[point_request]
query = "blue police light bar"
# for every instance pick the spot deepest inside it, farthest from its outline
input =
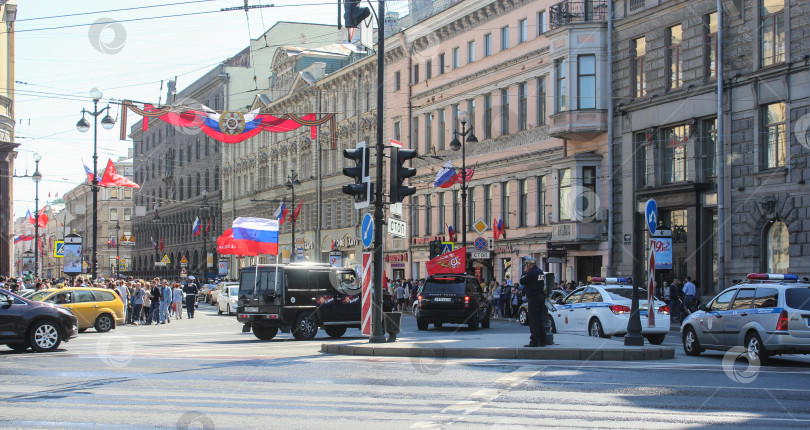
(772, 277)
(620, 281)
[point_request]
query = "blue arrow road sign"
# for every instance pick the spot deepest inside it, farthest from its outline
(652, 215)
(367, 230)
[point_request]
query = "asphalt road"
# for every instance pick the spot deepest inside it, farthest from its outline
(205, 373)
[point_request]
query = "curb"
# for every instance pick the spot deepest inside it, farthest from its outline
(638, 353)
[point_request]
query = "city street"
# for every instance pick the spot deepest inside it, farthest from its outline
(205, 373)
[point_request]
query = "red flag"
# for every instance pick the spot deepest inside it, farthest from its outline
(496, 232)
(112, 178)
(451, 262)
(297, 210)
(40, 219)
(49, 195)
(208, 226)
(161, 244)
(226, 245)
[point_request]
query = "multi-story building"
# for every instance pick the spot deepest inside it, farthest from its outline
(666, 141)
(23, 251)
(8, 16)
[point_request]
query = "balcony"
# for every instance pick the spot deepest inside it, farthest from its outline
(575, 232)
(568, 12)
(580, 125)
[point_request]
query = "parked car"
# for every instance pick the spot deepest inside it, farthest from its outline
(94, 307)
(30, 324)
(767, 315)
(204, 294)
(602, 309)
(218, 290)
(452, 299)
(227, 299)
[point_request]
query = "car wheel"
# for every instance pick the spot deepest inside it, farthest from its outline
(44, 336)
(473, 323)
(335, 331)
(104, 323)
(485, 321)
(305, 327)
(264, 333)
(523, 316)
(595, 328)
(691, 344)
(219, 310)
(421, 324)
(656, 339)
(756, 350)
(438, 325)
(553, 324)
(18, 346)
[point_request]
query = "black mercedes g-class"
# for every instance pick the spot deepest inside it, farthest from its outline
(298, 297)
(453, 299)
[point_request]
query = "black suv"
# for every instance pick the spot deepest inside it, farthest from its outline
(453, 299)
(40, 326)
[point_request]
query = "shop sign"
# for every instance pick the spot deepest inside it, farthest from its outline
(301, 243)
(345, 242)
(425, 240)
(390, 258)
(397, 265)
(506, 249)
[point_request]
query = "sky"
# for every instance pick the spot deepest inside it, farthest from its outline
(60, 58)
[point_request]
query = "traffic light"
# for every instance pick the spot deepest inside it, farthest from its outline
(353, 14)
(361, 188)
(399, 173)
(435, 249)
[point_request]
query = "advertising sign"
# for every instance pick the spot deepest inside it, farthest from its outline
(223, 267)
(73, 258)
(336, 259)
(662, 248)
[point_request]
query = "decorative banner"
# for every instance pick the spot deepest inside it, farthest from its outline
(452, 262)
(229, 126)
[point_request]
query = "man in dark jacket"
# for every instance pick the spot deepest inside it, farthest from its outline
(191, 291)
(534, 289)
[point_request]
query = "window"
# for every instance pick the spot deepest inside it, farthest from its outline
(504, 38)
(113, 193)
(456, 225)
(641, 143)
(487, 44)
(428, 69)
(523, 30)
(442, 129)
(523, 107)
(565, 200)
(766, 298)
(541, 200)
(722, 301)
(470, 51)
(396, 80)
(772, 31)
(541, 22)
(586, 71)
(774, 150)
(487, 116)
(674, 56)
(504, 111)
(559, 69)
(440, 204)
(709, 147)
(428, 132)
(127, 214)
(114, 214)
(743, 300)
(487, 202)
(506, 192)
(675, 141)
(523, 202)
(398, 131)
(415, 132)
(441, 64)
(471, 209)
(415, 74)
(638, 50)
(456, 58)
(415, 215)
(710, 52)
(471, 113)
(428, 216)
(586, 205)
(128, 193)
(541, 100)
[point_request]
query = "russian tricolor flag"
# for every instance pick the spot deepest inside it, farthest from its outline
(444, 178)
(195, 228)
(258, 235)
(281, 213)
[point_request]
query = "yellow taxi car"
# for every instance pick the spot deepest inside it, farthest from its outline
(94, 307)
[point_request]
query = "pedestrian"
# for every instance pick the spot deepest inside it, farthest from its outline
(515, 302)
(137, 304)
(689, 292)
(166, 298)
(402, 298)
(675, 300)
(191, 291)
(155, 309)
(533, 285)
(124, 293)
(506, 300)
(496, 299)
(177, 302)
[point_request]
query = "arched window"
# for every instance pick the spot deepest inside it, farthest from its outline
(198, 184)
(207, 179)
(778, 245)
(180, 194)
(216, 178)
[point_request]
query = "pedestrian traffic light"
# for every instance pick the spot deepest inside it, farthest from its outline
(399, 173)
(360, 190)
(353, 14)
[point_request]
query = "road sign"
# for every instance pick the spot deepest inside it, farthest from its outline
(480, 225)
(396, 209)
(651, 215)
(59, 249)
(184, 261)
(300, 253)
(396, 227)
(165, 259)
(183, 273)
(491, 244)
(480, 244)
(447, 247)
(483, 255)
(367, 230)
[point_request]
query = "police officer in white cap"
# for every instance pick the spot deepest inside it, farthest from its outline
(534, 288)
(191, 291)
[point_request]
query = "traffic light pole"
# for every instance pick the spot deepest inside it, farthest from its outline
(377, 333)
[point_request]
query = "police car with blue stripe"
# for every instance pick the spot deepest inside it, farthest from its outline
(603, 309)
(768, 314)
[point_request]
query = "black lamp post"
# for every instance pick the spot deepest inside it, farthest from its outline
(292, 182)
(36, 177)
(117, 251)
(204, 256)
(107, 122)
(466, 136)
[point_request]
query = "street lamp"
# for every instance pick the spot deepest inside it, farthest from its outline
(117, 251)
(292, 182)
(36, 177)
(204, 256)
(466, 136)
(83, 126)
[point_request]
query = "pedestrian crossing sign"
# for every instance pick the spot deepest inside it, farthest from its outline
(59, 249)
(447, 247)
(165, 259)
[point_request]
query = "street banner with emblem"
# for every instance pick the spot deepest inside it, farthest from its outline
(452, 262)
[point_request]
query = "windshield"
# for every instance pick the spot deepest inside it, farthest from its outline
(266, 284)
(232, 291)
(798, 298)
(444, 285)
(627, 293)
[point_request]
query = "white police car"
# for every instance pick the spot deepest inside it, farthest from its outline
(603, 309)
(768, 314)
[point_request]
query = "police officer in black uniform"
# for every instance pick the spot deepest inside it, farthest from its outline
(191, 291)
(534, 288)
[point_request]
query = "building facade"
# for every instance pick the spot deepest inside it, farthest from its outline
(8, 16)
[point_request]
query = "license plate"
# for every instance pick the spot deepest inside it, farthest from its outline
(642, 313)
(252, 309)
(442, 299)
